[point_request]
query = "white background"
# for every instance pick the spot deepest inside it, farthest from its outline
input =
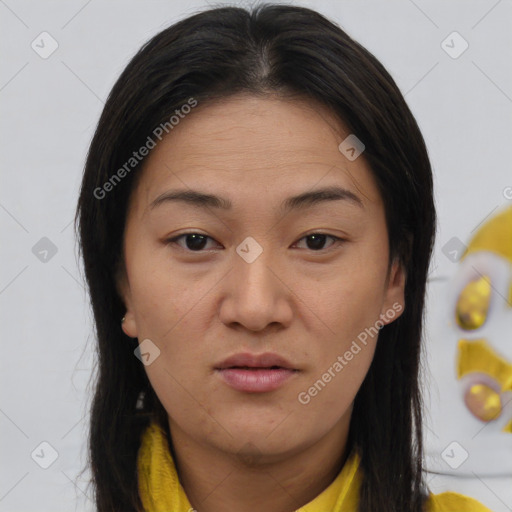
(49, 111)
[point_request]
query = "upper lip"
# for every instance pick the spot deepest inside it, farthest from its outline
(266, 360)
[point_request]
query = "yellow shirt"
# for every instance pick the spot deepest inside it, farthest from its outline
(161, 491)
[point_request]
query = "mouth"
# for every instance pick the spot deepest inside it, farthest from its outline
(249, 361)
(255, 373)
(254, 368)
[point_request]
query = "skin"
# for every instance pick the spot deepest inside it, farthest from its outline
(270, 452)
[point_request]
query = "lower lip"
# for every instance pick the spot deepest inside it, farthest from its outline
(255, 381)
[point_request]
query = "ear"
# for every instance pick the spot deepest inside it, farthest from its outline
(129, 326)
(394, 294)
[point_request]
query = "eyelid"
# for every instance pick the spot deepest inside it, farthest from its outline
(337, 241)
(181, 235)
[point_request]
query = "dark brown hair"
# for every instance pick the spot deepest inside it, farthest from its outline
(289, 51)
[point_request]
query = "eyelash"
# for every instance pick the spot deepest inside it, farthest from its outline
(337, 241)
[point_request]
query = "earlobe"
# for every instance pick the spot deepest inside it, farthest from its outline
(128, 324)
(394, 301)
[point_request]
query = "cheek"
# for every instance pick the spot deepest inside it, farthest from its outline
(163, 298)
(330, 393)
(180, 396)
(344, 335)
(343, 305)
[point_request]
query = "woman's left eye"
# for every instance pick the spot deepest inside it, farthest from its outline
(316, 241)
(196, 242)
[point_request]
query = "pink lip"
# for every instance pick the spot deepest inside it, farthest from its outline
(255, 373)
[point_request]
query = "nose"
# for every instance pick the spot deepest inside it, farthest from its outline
(256, 296)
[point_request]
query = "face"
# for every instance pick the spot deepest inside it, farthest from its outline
(264, 308)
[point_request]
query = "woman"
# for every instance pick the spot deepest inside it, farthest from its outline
(256, 220)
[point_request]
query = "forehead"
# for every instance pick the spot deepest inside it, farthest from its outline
(264, 146)
(265, 130)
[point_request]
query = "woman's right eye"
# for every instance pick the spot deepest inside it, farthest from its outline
(193, 242)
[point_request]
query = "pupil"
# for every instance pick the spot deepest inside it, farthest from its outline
(318, 241)
(195, 242)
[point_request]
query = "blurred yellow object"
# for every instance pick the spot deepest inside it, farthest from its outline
(473, 304)
(494, 236)
(483, 402)
(477, 356)
(471, 312)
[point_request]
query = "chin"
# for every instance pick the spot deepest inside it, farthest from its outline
(259, 450)
(254, 435)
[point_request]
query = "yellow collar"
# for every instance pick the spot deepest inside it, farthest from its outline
(160, 489)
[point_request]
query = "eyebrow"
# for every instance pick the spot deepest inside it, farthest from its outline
(304, 200)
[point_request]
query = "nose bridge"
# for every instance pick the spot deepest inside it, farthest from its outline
(255, 297)
(254, 279)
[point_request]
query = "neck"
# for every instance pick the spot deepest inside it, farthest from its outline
(219, 480)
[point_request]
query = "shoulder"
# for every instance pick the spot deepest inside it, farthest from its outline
(454, 502)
